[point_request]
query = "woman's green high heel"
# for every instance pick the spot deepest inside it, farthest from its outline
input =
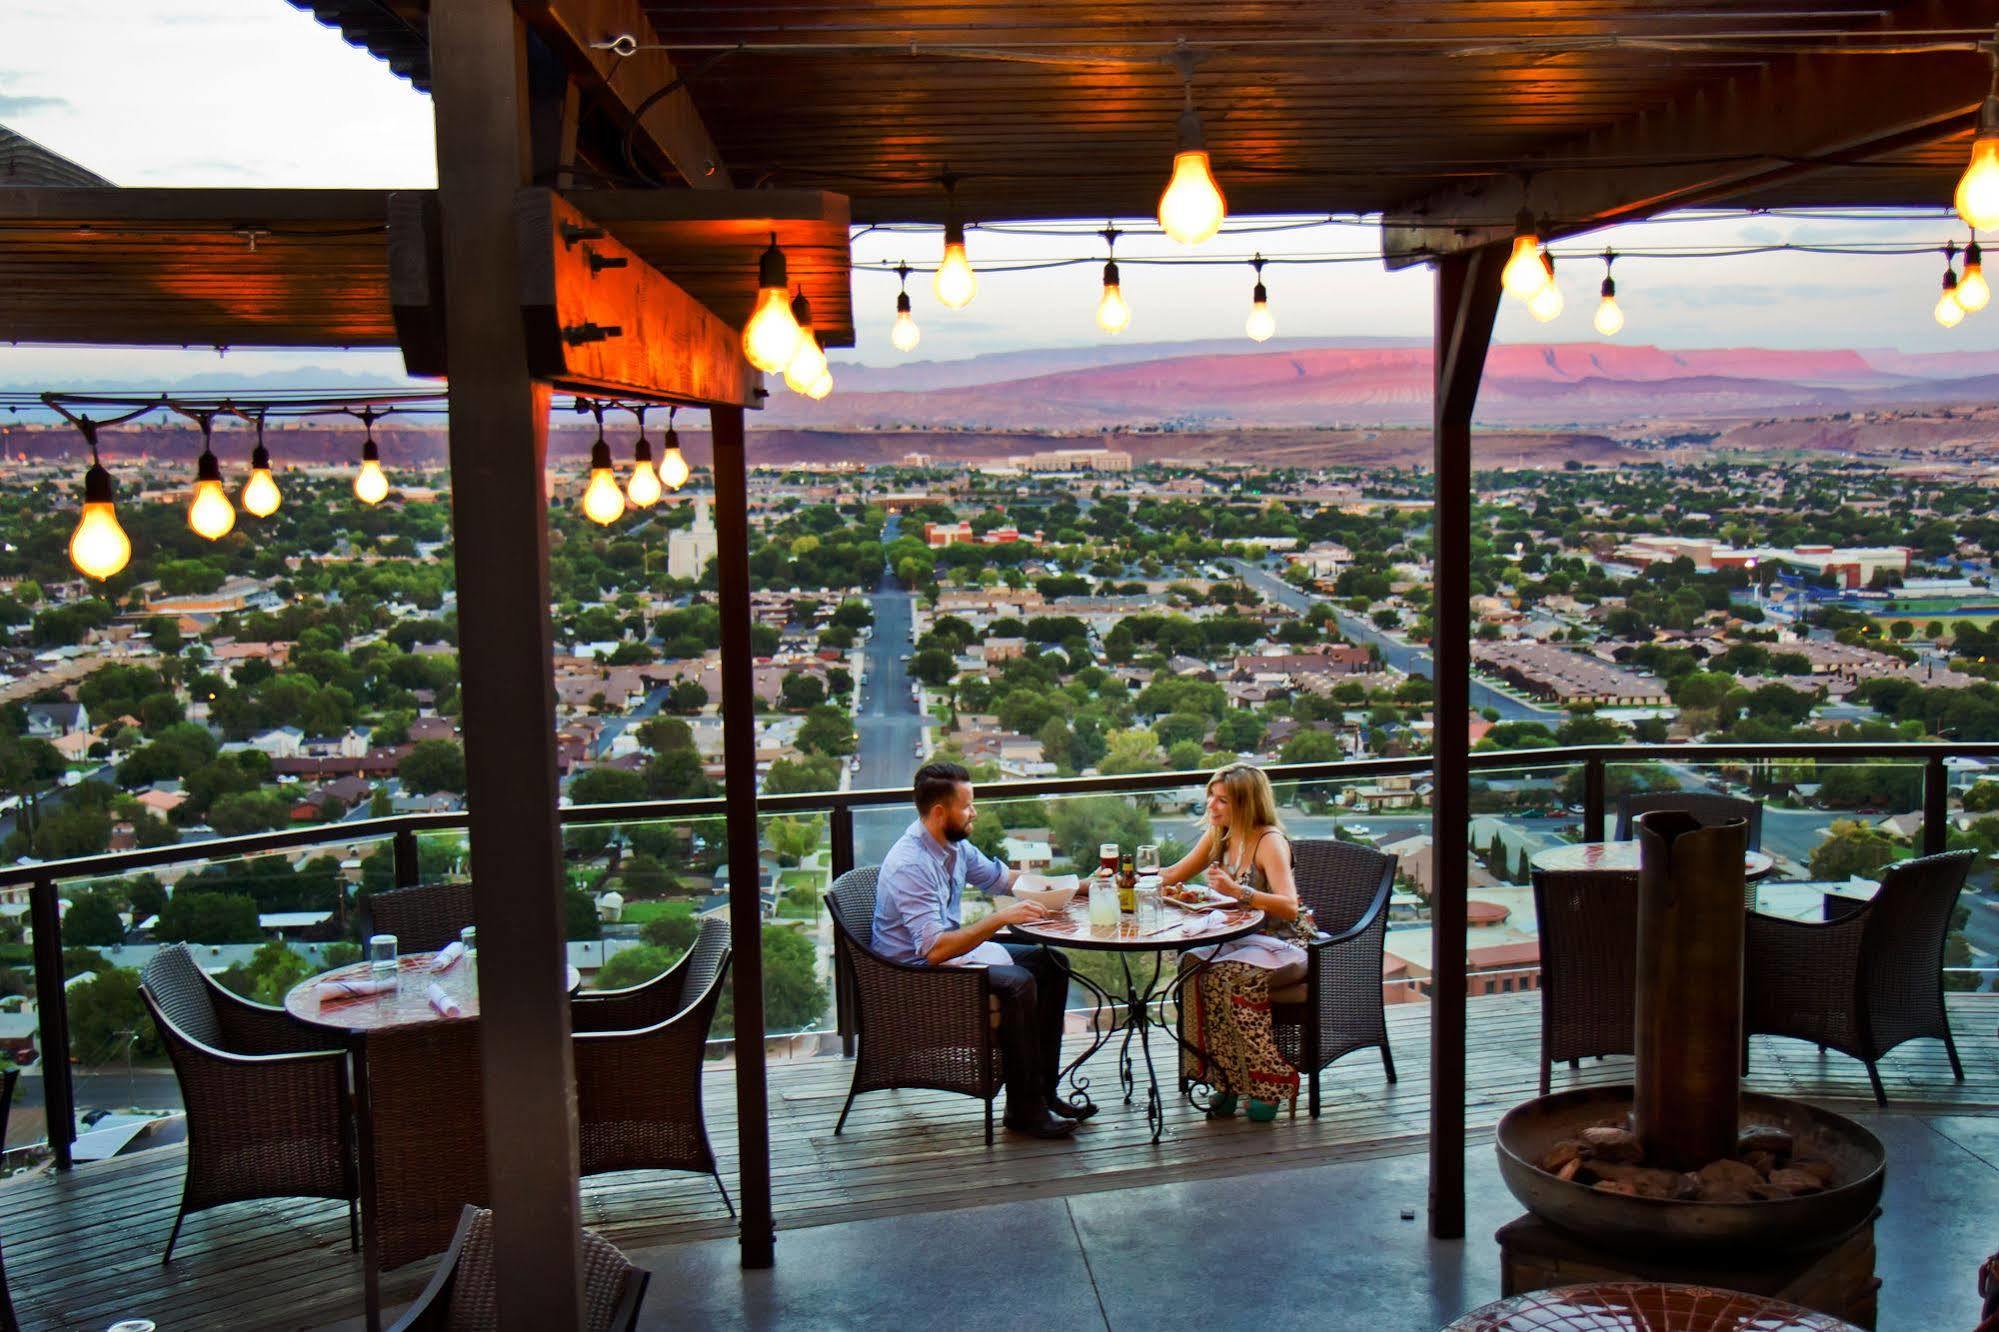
(1223, 1106)
(1261, 1112)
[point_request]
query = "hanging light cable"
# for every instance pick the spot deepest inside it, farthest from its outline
(954, 283)
(1191, 207)
(809, 361)
(371, 484)
(98, 547)
(770, 337)
(1546, 304)
(1609, 318)
(673, 469)
(603, 502)
(209, 513)
(1113, 313)
(1977, 196)
(1974, 293)
(1261, 323)
(1947, 310)
(905, 334)
(260, 493)
(643, 487)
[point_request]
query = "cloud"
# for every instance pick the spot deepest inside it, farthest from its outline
(15, 106)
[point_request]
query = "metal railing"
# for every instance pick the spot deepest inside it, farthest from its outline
(402, 831)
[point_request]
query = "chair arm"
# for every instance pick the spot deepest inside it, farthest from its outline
(260, 1029)
(1322, 940)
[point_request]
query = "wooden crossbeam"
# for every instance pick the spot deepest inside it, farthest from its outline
(1797, 116)
(579, 31)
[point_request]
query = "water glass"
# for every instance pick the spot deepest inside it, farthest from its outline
(1150, 908)
(469, 936)
(381, 955)
(1104, 911)
(1146, 861)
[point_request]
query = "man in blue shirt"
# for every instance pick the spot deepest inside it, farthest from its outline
(919, 920)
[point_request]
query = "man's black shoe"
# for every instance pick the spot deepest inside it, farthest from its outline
(1041, 1125)
(1076, 1110)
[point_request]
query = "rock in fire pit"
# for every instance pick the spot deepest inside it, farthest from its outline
(1768, 1163)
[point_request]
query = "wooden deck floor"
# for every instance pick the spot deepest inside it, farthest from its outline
(83, 1249)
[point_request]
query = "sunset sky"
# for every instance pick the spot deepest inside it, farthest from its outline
(257, 93)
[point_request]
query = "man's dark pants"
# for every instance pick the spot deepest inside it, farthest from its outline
(1032, 995)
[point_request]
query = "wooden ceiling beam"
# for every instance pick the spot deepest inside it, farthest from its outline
(672, 128)
(1802, 116)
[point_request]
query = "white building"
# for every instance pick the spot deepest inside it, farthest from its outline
(688, 550)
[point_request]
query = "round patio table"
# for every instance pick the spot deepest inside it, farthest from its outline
(1132, 1012)
(418, 1106)
(1642, 1307)
(1622, 858)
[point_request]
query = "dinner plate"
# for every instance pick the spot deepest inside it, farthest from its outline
(1207, 903)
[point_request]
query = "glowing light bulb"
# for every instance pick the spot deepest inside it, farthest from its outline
(1261, 323)
(98, 547)
(210, 513)
(603, 502)
(1113, 312)
(1609, 318)
(1546, 303)
(770, 338)
(1524, 274)
(905, 334)
(1192, 209)
(1973, 292)
(954, 282)
(260, 493)
(1948, 312)
(820, 387)
(673, 469)
(371, 484)
(806, 366)
(1978, 187)
(643, 488)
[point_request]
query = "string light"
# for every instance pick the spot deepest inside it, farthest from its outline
(209, 513)
(770, 338)
(1973, 292)
(954, 283)
(673, 468)
(260, 493)
(905, 334)
(371, 484)
(1261, 323)
(821, 386)
(603, 501)
(98, 547)
(1977, 196)
(1947, 311)
(1546, 304)
(1609, 318)
(1524, 274)
(809, 361)
(1113, 313)
(1191, 207)
(643, 488)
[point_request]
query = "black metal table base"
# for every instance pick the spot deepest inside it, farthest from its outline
(1132, 1017)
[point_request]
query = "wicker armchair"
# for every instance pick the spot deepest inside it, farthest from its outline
(927, 1027)
(461, 1294)
(8, 1323)
(267, 1103)
(424, 918)
(638, 1087)
(1589, 964)
(1868, 981)
(1709, 809)
(1338, 1008)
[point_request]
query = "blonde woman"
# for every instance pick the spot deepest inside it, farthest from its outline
(1245, 856)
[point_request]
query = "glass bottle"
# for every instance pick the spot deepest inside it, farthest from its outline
(1127, 885)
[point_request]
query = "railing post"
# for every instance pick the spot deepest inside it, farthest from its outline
(842, 820)
(408, 866)
(52, 1010)
(1936, 806)
(1593, 798)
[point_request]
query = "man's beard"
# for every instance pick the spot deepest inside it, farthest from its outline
(957, 832)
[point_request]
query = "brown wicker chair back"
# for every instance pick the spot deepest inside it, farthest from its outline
(1589, 964)
(463, 1294)
(651, 1002)
(1343, 883)
(1902, 944)
(424, 918)
(178, 987)
(1710, 809)
(852, 903)
(707, 958)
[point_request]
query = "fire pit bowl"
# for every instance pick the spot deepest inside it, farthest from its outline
(1642, 1226)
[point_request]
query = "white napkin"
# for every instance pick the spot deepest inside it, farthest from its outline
(447, 957)
(1204, 922)
(444, 1003)
(357, 988)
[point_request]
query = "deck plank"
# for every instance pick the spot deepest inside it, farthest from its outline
(83, 1248)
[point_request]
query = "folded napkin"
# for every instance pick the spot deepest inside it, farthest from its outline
(357, 988)
(444, 1003)
(1204, 922)
(447, 957)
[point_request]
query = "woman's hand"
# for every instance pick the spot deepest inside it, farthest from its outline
(1221, 881)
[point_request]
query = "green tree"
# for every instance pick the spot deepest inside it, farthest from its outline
(208, 918)
(827, 730)
(606, 786)
(633, 966)
(107, 1017)
(792, 775)
(1311, 747)
(93, 921)
(674, 931)
(269, 975)
(794, 999)
(801, 691)
(933, 666)
(579, 916)
(433, 765)
(686, 696)
(1131, 751)
(791, 840)
(1854, 850)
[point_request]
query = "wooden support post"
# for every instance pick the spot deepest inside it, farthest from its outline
(1467, 299)
(499, 444)
(52, 1007)
(739, 759)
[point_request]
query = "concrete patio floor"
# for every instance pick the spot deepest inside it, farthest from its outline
(1317, 1247)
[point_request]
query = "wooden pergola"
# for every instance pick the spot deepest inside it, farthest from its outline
(678, 138)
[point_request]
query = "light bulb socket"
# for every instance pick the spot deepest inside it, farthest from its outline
(1523, 223)
(1192, 139)
(671, 444)
(1548, 263)
(369, 453)
(97, 485)
(1973, 257)
(1988, 110)
(642, 451)
(260, 459)
(1949, 279)
(207, 469)
(600, 456)
(902, 302)
(801, 310)
(1110, 274)
(1258, 296)
(1610, 287)
(771, 270)
(954, 231)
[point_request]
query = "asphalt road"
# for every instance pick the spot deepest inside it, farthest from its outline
(1402, 656)
(888, 726)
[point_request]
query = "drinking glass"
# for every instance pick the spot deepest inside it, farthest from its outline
(1146, 861)
(1103, 906)
(381, 955)
(469, 936)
